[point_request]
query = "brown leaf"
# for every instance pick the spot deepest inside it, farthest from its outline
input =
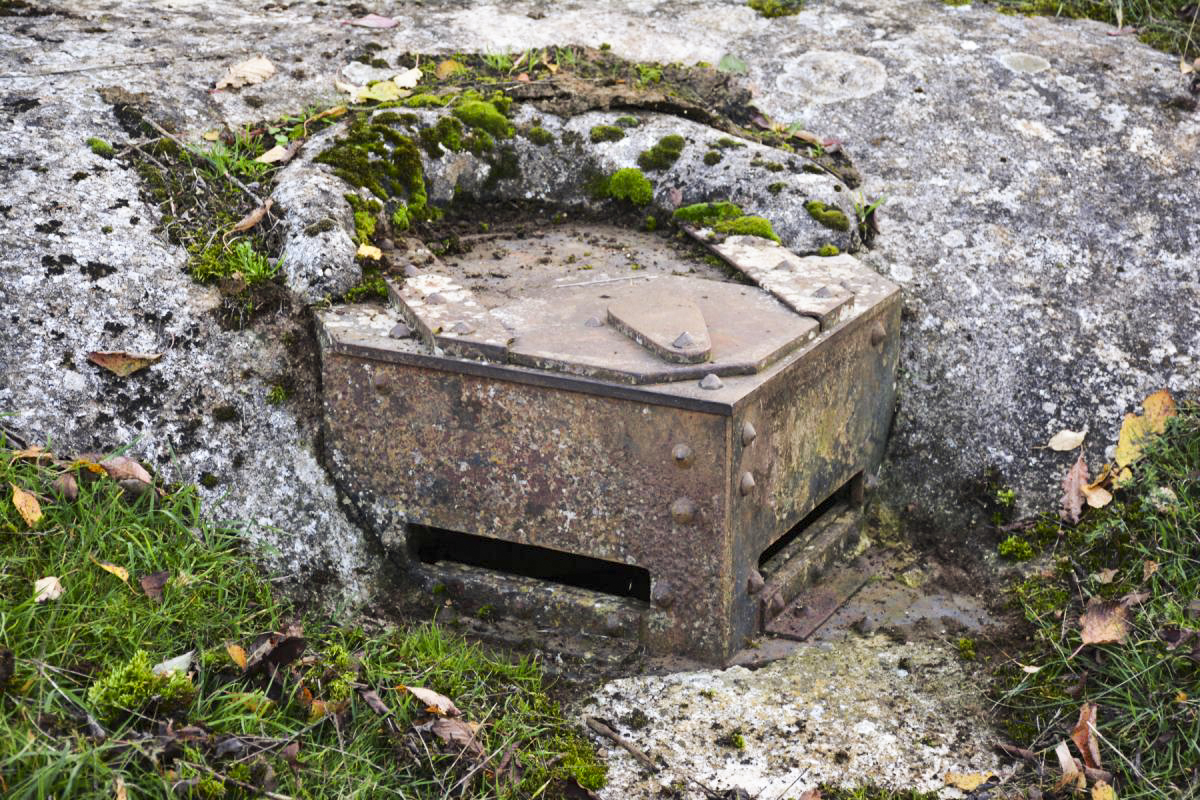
(1073, 497)
(434, 703)
(279, 155)
(256, 216)
(1134, 599)
(67, 486)
(373, 21)
(121, 363)
(153, 584)
(276, 650)
(1148, 568)
(27, 505)
(455, 732)
(37, 454)
(1104, 622)
(374, 702)
(290, 753)
(811, 794)
(124, 468)
(1081, 735)
(1105, 576)
(1174, 636)
(247, 73)
(523, 77)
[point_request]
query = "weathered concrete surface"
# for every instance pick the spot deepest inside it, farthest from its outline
(862, 710)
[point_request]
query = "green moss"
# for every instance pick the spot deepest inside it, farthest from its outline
(650, 224)
(401, 219)
(628, 121)
(725, 143)
(427, 101)
(747, 226)
(966, 648)
(663, 154)
(101, 148)
(277, 395)
(606, 133)
(539, 136)
(506, 167)
(483, 115)
(648, 75)
(830, 217)
(630, 184)
(480, 142)
(446, 135)
(828, 250)
(777, 8)
(1015, 548)
(130, 688)
(392, 118)
(386, 163)
(365, 216)
(775, 166)
(713, 157)
(706, 214)
(777, 187)
(319, 227)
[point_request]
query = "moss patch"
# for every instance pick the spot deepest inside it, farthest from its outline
(631, 185)
(662, 155)
(713, 157)
(484, 115)
(101, 147)
(828, 216)
(606, 133)
(539, 135)
(777, 8)
(706, 214)
(747, 226)
(386, 163)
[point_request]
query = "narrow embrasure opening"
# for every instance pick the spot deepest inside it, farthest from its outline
(432, 545)
(774, 556)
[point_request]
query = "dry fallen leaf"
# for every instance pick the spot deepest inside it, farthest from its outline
(967, 781)
(1104, 622)
(369, 251)
(1097, 496)
(121, 363)
(1081, 735)
(153, 584)
(27, 505)
(374, 702)
(1148, 568)
(247, 73)
(457, 732)
(446, 68)
(1066, 440)
(113, 569)
(1073, 496)
(181, 663)
(124, 468)
(374, 21)
(66, 486)
(1105, 576)
(408, 79)
(210, 136)
(811, 794)
(256, 216)
(119, 790)
(382, 92)
(48, 588)
(1102, 791)
(1072, 775)
(237, 654)
(279, 155)
(36, 453)
(433, 702)
(1159, 407)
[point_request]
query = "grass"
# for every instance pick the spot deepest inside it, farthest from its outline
(76, 663)
(1170, 25)
(1146, 691)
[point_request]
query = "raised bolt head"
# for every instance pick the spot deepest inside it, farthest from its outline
(748, 434)
(755, 582)
(682, 455)
(683, 511)
(711, 382)
(878, 334)
(594, 322)
(461, 328)
(684, 340)
(747, 484)
(662, 595)
(823, 292)
(400, 331)
(436, 299)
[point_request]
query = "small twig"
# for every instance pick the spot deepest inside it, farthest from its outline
(1016, 752)
(608, 733)
(241, 784)
(89, 68)
(180, 142)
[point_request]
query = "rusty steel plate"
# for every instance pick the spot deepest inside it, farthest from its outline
(568, 330)
(809, 611)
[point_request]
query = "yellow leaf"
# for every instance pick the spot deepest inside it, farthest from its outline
(1181, 697)
(383, 91)
(369, 251)
(447, 68)
(119, 790)
(48, 588)
(276, 153)
(237, 654)
(1097, 496)
(35, 453)
(27, 505)
(1159, 408)
(967, 781)
(210, 136)
(1102, 791)
(120, 572)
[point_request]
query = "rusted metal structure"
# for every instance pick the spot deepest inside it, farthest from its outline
(636, 456)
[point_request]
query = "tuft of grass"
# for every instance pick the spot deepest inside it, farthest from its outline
(1147, 687)
(101, 147)
(82, 714)
(777, 8)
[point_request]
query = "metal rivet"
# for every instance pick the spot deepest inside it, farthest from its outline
(683, 511)
(755, 582)
(775, 604)
(878, 334)
(683, 340)
(661, 595)
(711, 381)
(747, 485)
(824, 291)
(748, 434)
(682, 455)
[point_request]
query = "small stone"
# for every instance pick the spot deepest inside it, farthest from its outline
(711, 382)
(824, 291)
(400, 331)
(461, 328)
(594, 322)
(436, 299)
(683, 341)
